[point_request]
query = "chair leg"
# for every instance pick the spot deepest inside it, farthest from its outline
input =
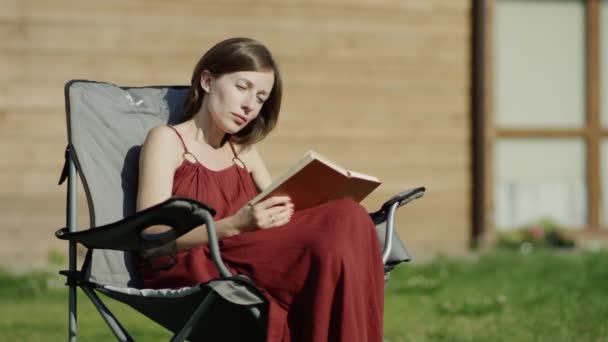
(387, 275)
(119, 331)
(72, 314)
(187, 329)
(72, 205)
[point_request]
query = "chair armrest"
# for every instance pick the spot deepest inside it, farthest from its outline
(399, 199)
(181, 214)
(404, 197)
(385, 218)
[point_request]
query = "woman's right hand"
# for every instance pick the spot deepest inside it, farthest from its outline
(272, 212)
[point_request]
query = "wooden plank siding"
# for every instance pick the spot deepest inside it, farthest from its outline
(379, 86)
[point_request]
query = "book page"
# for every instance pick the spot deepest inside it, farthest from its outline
(354, 174)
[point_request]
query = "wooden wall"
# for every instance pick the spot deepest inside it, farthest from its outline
(379, 86)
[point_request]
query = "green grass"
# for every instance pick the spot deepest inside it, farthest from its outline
(502, 296)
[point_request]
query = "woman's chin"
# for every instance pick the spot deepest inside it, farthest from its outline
(232, 128)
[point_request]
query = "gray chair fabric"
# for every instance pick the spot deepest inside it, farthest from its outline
(105, 138)
(398, 251)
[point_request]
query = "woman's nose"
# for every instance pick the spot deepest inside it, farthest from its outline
(248, 103)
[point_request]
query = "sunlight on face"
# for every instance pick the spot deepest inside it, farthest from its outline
(235, 99)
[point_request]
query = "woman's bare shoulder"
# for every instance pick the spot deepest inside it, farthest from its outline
(164, 143)
(163, 137)
(162, 132)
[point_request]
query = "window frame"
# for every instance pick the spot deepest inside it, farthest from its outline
(592, 132)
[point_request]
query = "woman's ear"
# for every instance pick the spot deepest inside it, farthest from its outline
(206, 79)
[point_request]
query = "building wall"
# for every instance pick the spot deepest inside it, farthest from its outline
(381, 87)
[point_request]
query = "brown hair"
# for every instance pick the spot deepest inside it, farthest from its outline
(234, 55)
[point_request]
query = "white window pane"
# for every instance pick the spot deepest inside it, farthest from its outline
(540, 63)
(604, 62)
(604, 181)
(538, 179)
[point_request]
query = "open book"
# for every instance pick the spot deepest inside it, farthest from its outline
(315, 180)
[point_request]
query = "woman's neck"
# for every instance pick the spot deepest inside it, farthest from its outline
(207, 130)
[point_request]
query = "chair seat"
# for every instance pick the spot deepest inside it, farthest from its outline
(171, 308)
(230, 290)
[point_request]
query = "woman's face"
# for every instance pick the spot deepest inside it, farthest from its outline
(235, 99)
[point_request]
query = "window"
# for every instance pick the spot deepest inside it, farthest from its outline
(540, 64)
(550, 113)
(540, 178)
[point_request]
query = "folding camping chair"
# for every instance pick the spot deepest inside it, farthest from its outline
(106, 126)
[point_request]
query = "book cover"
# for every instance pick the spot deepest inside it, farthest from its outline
(315, 180)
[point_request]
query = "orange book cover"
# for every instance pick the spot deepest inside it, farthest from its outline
(315, 180)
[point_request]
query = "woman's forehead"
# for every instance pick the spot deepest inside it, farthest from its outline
(258, 78)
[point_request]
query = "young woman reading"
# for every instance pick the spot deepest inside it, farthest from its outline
(320, 268)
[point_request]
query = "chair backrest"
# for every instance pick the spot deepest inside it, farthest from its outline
(107, 125)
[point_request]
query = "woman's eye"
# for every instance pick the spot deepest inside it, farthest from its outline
(240, 87)
(260, 100)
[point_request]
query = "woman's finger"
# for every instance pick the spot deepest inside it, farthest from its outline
(283, 218)
(277, 209)
(282, 221)
(276, 219)
(261, 216)
(274, 201)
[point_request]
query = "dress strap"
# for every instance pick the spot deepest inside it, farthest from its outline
(235, 157)
(181, 139)
(233, 150)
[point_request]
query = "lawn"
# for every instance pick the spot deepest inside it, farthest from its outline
(501, 296)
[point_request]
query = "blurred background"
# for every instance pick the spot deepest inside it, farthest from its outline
(499, 108)
(495, 106)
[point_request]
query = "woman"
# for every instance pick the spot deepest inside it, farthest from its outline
(319, 268)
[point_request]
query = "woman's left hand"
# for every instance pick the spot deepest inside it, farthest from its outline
(272, 212)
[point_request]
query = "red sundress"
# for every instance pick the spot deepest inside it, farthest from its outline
(321, 273)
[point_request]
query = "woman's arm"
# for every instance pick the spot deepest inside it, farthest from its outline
(257, 167)
(160, 156)
(158, 160)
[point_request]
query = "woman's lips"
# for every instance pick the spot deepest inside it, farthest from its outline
(240, 119)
